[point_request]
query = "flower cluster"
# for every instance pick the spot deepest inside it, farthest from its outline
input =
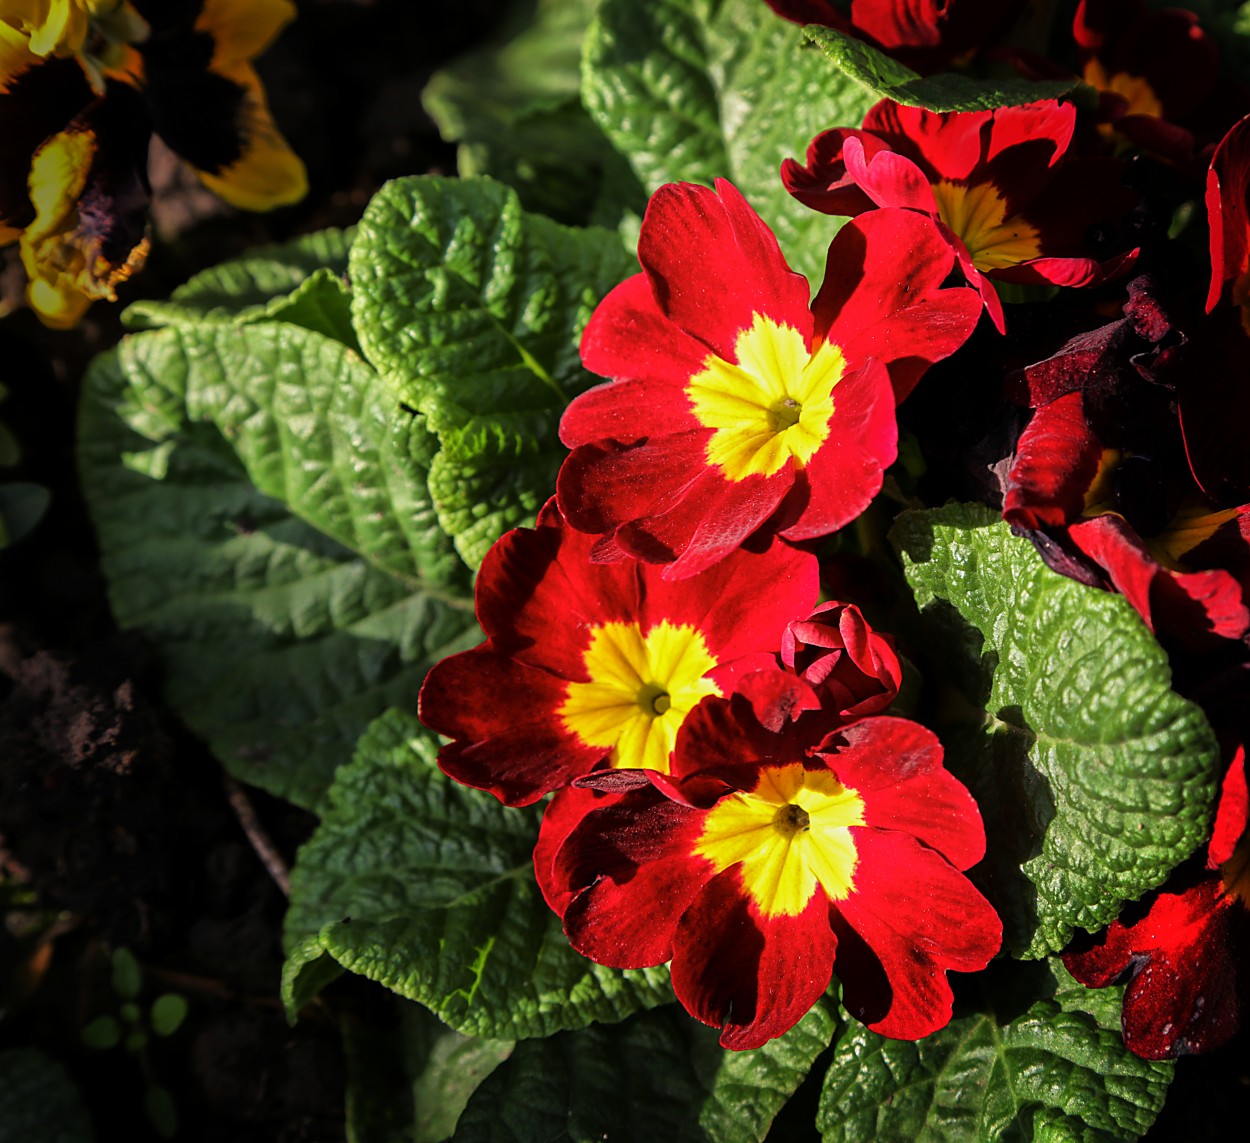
(732, 790)
(84, 85)
(1130, 472)
(729, 795)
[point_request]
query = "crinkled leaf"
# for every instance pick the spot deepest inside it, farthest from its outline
(692, 91)
(427, 887)
(660, 1075)
(245, 289)
(513, 106)
(22, 506)
(1057, 1071)
(38, 1101)
(473, 310)
(1094, 778)
(886, 78)
(263, 518)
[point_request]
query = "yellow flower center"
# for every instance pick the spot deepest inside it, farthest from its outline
(790, 834)
(1141, 97)
(641, 688)
(978, 215)
(772, 404)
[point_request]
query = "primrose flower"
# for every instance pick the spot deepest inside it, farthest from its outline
(592, 664)
(776, 854)
(737, 404)
(1011, 201)
(1153, 69)
(1184, 949)
(927, 35)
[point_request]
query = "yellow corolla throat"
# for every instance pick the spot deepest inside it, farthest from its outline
(790, 834)
(977, 213)
(773, 404)
(1141, 97)
(641, 688)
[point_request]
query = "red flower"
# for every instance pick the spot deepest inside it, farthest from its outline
(589, 664)
(1154, 69)
(1185, 949)
(736, 403)
(775, 855)
(852, 667)
(927, 35)
(1012, 203)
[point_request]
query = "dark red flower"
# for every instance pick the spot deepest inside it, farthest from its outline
(737, 403)
(590, 664)
(1185, 948)
(852, 667)
(1011, 201)
(775, 855)
(1154, 68)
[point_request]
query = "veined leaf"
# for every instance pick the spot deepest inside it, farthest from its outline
(263, 518)
(1057, 1071)
(427, 887)
(886, 78)
(692, 91)
(1094, 777)
(660, 1075)
(253, 288)
(473, 310)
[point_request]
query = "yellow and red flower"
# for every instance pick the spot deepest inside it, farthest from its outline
(737, 403)
(598, 664)
(1011, 200)
(777, 853)
(1156, 72)
(1185, 948)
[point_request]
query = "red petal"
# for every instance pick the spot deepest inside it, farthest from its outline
(509, 738)
(881, 296)
(919, 917)
(896, 766)
(946, 145)
(1185, 953)
(755, 977)
(1056, 461)
(628, 336)
(1231, 814)
(888, 178)
(1228, 209)
(563, 814)
(824, 183)
(629, 869)
(714, 264)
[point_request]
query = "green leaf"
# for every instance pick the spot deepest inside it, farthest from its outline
(162, 1113)
(127, 979)
(1057, 1071)
(473, 310)
(38, 1101)
(452, 1068)
(263, 516)
(102, 1033)
(660, 1075)
(513, 107)
(1094, 778)
(244, 290)
(693, 91)
(22, 506)
(886, 78)
(427, 887)
(169, 1010)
